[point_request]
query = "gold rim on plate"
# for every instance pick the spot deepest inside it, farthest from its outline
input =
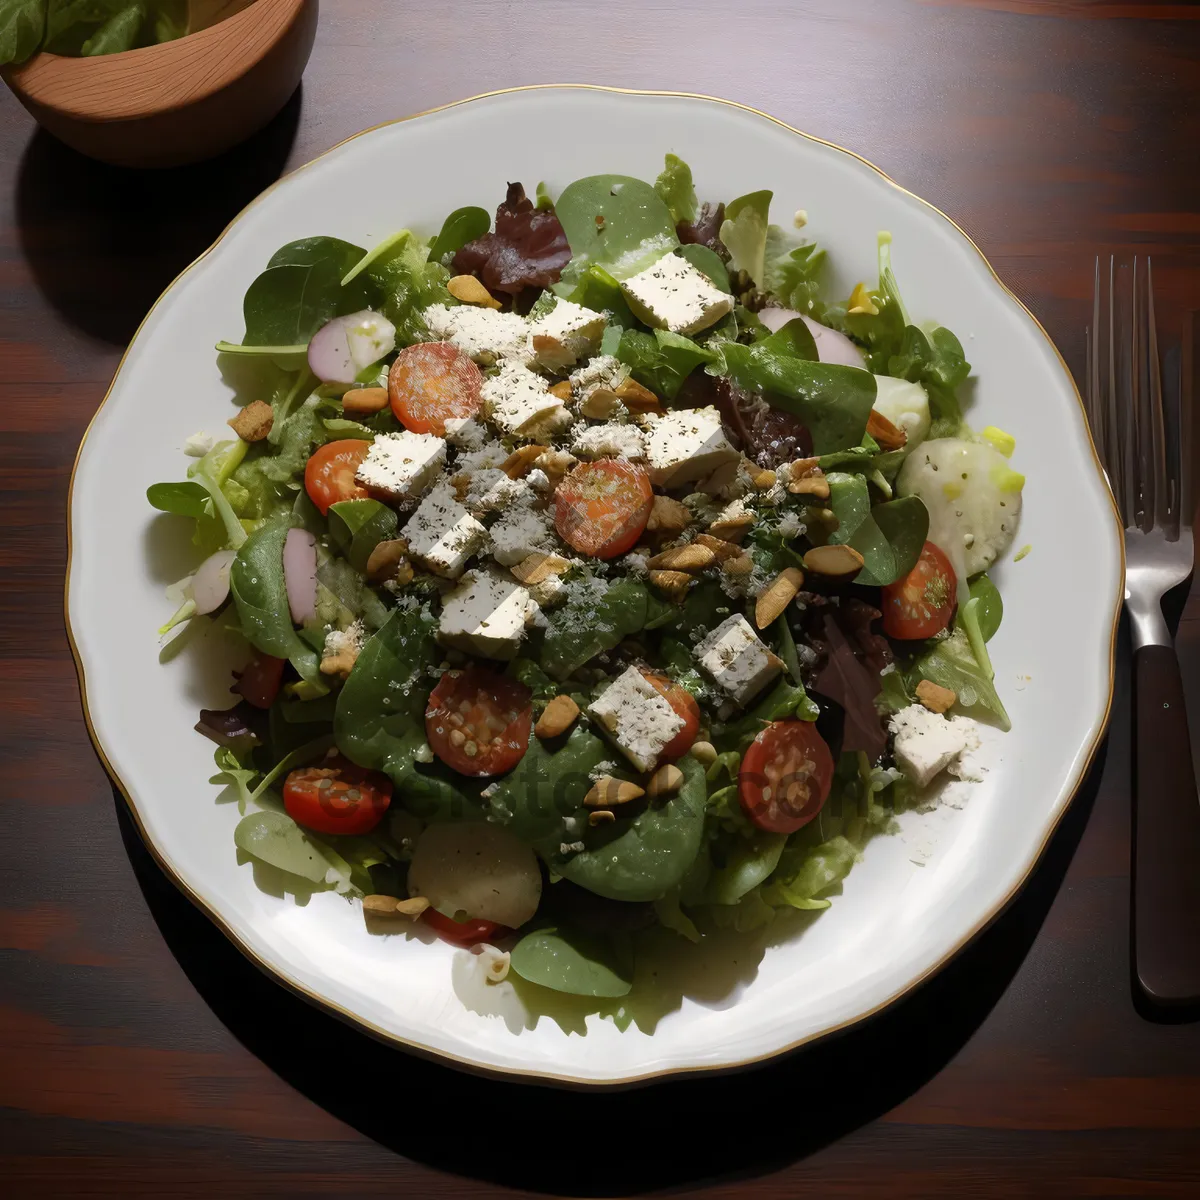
(384, 1035)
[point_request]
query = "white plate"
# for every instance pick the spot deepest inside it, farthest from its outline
(918, 897)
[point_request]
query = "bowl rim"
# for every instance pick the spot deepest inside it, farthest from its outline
(1079, 770)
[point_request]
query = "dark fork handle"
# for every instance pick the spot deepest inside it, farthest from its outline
(1166, 848)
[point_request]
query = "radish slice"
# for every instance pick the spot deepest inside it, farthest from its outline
(210, 584)
(343, 347)
(300, 574)
(832, 347)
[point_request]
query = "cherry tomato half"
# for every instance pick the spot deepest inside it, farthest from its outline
(601, 507)
(259, 680)
(329, 475)
(461, 933)
(684, 703)
(922, 603)
(431, 382)
(785, 777)
(478, 722)
(335, 796)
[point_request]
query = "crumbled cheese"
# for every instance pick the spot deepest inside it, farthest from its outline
(350, 639)
(567, 333)
(517, 398)
(636, 564)
(674, 295)
(549, 592)
(198, 444)
(688, 445)
(487, 457)
(609, 441)
(603, 371)
(634, 714)
(520, 532)
(484, 334)
(399, 465)
(601, 770)
(491, 490)
(486, 614)
(737, 660)
(466, 433)
(928, 742)
(790, 525)
(442, 534)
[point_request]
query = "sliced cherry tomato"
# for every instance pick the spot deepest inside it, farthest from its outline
(922, 603)
(684, 703)
(478, 722)
(601, 507)
(259, 680)
(431, 382)
(461, 933)
(785, 777)
(335, 796)
(329, 476)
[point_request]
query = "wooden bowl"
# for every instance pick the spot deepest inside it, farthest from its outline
(179, 102)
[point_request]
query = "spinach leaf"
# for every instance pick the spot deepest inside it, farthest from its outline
(593, 620)
(850, 500)
(747, 864)
(301, 290)
(260, 595)
(889, 536)
(674, 186)
(783, 700)
(463, 225)
(22, 24)
(744, 234)
(662, 360)
(599, 291)
(122, 31)
(358, 526)
(569, 960)
(708, 263)
(990, 610)
(616, 221)
(183, 499)
(274, 838)
(794, 338)
(833, 401)
(530, 673)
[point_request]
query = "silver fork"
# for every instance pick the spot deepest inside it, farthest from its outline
(1146, 446)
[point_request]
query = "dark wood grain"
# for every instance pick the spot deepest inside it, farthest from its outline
(141, 1056)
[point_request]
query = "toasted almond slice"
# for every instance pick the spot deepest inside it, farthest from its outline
(539, 566)
(672, 584)
(635, 397)
(254, 422)
(763, 480)
(739, 566)
(934, 697)
(667, 517)
(608, 792)
(683, 558)
(557, 717)
(385, 559)
(813, 483)
(835, 562)
(732, 529)
(666, 781)
(601, 816)
(470, 290)
(562, 390)
(781, 592)
(380, 905)
(601, 402)
(889, 436)
(520, 461)
(364, 402)
(551, 352)
(719, 546)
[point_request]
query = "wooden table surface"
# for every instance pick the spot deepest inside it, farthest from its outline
(140, 1055)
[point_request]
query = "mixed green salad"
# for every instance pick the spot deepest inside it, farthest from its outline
(597, 572)
(82, 28)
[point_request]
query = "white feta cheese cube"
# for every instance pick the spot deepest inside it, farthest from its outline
(689, 445)
(737, 660)
(491, 490)
(401, 464)
(487, 614)
(487, 457)
(928, 742)
(442, 534)
(484, 334)
(674, 295)
(567, 333)
(520, 532)
(517, 399)
(634, 714)
(611, 440)
(466, 433)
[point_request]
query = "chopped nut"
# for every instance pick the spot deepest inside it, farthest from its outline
(470, 290)
(739, 566)
(601, 402)
(559, 715)
(341, 663)
(600, 816)
(834, 561)
(732, 529)
(666, 781)
(364, 402)
(889, 436)
(389, 906)
(781, 592)
(254, 422)
(684, 558)
(561, 390)
(385, 560)
(719, 546)
(763, 480)
(667, 517)
(539, 566)
(704, 753)
(672, 584)
(608, 792)
(805, 478)
(637, 398)
(555, 464)
(520, 461)
(461, 483)
(404, 573)
(936, 698)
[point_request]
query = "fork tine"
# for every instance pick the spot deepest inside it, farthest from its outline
(1189, 366)
(1125, 410)
(1162, 506)
(1096, 411)
(1113, 423)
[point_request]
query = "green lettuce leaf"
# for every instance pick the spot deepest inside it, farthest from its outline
(674, 186)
